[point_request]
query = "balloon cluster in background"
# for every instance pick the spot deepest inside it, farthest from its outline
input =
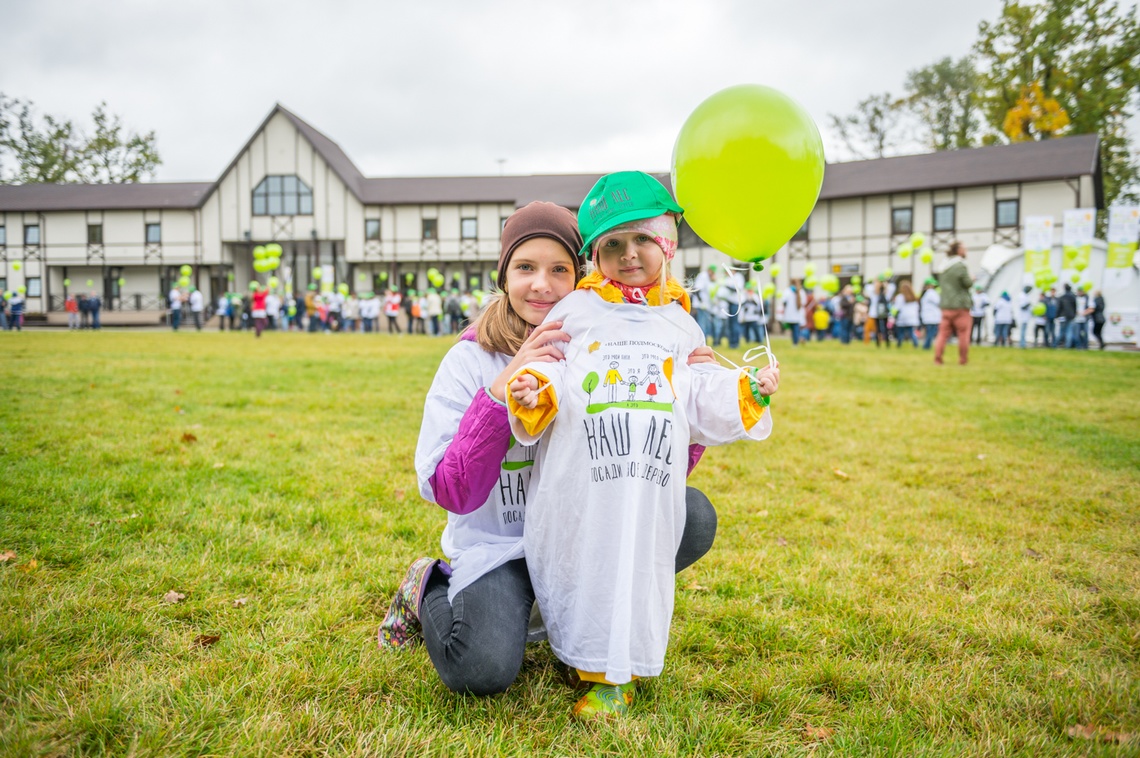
(266, 258)
(916, 244)
(435, 277)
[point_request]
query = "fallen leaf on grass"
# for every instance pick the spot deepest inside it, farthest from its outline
(6, 556)
(271, 435)
(981, 456)
(762, 514)
(819, 733)
(173, 597)
(697, 587)
(92, 386)
(240, 602)
(187, 437)
(30, 566)
(781, 541)
(219, 464)
(1031, 553)
(770, 486)
(178, 409)
(840, 474)
(206, 640)
(399, 494)
(1099, 734)
(177, 392)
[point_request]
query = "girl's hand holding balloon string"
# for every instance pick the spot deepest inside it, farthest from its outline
(538, 347)
(701, 355)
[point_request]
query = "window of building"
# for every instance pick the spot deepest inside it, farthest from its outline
(1007, 212)
(902, 220)
(32, 234)
(944, 218)
(802, 234)
(153, 234)
(371, 228)
(282, 196)
(35, 288)
(3, 236)
(94, 234)
(468, 228)
(429, 228)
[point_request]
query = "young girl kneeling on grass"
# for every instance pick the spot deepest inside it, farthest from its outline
(607, 505)
(474, 613)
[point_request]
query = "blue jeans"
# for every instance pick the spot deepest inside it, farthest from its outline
(1060, 327)
(734, 327)
(1024, 327)
(719, 329)
(1001, 334)
(905, 333)
(844, 326)
(476, 643)
(175, 318)
(930, 332)
(1073, 335)
(794, 329)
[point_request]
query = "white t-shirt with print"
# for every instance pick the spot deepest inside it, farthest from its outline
(607, 505)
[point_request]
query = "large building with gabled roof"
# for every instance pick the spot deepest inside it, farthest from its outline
(293, 185)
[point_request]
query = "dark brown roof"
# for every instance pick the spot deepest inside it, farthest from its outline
(107, 197)
(1005, 164)
(1002, 164)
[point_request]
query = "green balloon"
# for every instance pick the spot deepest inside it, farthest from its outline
(811, 282)
(830, 283)
(1039, 309)
(473, 281)
(184, 281)
(259, 253)
(122, 281)
(274, 282)
(809, 269)
(383, 276)
(254, 286)
(904, 250)
(342, 288)
(186, 270)
(66, 282)
(917, 240)
(21, 289)
(1081, 263)
(318, 272)
(775, 269)
(16, 265)
(90, 283)
(927, 255)
(768, 291)
(273, 251)
(728, 142)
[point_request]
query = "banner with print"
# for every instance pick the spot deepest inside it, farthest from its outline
(1077, 233)
(1038, 242)
(1123, 233)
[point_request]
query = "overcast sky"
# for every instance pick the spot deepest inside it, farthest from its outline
(443, 87)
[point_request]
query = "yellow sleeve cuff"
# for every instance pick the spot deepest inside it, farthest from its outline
(536, 419)
(750, 411)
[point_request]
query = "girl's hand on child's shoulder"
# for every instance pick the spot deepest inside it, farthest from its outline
(538, 347)
(703, 354)
(525, 390)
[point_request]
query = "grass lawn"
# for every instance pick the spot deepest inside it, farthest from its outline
(921, 560)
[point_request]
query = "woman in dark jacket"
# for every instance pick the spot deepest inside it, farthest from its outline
(1098, 317)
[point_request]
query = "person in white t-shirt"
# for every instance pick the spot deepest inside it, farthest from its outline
(906, 314)
(1003, 320)
(981, 301)
(174, 300)
(197, 304)
(1024, 312)
(930, 312)
(792, 304)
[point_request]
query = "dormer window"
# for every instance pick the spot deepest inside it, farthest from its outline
(282, 196)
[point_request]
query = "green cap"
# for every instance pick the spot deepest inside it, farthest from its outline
(620, 198)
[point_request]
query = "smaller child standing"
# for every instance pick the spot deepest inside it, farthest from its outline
(608, 509)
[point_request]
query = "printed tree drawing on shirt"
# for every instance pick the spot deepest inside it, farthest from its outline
(590, 383)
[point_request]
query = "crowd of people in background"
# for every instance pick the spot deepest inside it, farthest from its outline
(82, 311)
(430, 312)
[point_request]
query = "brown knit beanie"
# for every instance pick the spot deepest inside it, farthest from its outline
(539, 219)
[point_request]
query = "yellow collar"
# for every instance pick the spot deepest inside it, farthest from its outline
(611, 294)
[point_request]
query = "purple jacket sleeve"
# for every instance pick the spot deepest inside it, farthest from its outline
(695, 453)
(463, 479)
